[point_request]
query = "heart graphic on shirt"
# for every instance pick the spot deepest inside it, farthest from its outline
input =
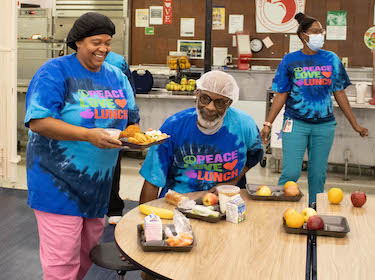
(327, 74)
(230, 165)
(299, 83)
(87, 114)
(191, 174)
(168, 5)
(121, 102)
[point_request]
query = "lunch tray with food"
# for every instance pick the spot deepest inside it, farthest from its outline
(334, 226)
(277, 194)
(133, 138)
(163, 245)
(210, 219)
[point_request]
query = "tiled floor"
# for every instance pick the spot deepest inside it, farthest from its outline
(131, 181)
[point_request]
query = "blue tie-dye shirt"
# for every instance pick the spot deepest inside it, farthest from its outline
(192, 161)
(75, 177)
(310, 81)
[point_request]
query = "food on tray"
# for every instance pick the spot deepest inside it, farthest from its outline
(174, 197)
(156, 135)
(291, 190)
(130, 131)
(161, 212)
(307, 213)
(358, 198)
(183, 239)
(264, 191)
(294, 220)
(204, 211)
(153, 228)
(288, 211)
(335, 195)
(290, 183)
(210, 199)
(315, 223)
(225, 194)
(185, 85)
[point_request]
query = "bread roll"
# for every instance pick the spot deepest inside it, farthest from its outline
(174, 197)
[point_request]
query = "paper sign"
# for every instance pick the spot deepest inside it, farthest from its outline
(156, 15)
(220, 56)
(336, 25)
(267, 42)
(149, 31)
(187, 27)
(295, 43)
(141, 18)
(218, 18)
(235, 23)
(167, 12)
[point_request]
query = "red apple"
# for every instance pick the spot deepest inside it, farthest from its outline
(315, 223)
(358, 198)
(210, 199)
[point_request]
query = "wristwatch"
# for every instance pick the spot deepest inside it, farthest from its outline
(267, 124)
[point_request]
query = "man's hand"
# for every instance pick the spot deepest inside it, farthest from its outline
(265, 134)
(102, 139)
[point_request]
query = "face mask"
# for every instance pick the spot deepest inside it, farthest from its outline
(316, 42)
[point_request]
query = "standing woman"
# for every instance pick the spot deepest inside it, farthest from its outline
(70, 157)
(304, 82)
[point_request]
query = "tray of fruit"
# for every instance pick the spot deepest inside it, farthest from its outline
(207, 209)
(184, 242)
(186, 87)
(309, 222)
(288, 192)
(133, 138)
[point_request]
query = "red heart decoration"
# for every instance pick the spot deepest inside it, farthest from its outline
(327, 74)
(121, 102)
(230, 165)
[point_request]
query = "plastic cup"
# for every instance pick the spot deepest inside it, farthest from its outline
(113, 132)
(225, 194)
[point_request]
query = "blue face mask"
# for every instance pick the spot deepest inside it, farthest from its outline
(316, 42)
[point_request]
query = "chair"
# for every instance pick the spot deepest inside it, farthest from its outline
(107, 255)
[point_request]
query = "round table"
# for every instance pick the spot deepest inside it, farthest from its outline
(257, 248)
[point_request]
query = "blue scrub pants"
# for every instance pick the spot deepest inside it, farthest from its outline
(318, 139)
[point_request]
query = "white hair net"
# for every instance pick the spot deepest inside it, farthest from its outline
(219, 82)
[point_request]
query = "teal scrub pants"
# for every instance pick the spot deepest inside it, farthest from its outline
(318, 139)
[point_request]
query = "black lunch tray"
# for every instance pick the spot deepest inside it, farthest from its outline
(134, 146)
(277, 194)
(203, 218)
(334, 226)
(157, 246)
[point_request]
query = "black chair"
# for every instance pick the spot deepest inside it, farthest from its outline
(107, 255)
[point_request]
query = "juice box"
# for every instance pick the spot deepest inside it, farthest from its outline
(153, 228)
(236, 210)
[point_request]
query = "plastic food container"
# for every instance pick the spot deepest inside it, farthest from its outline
(225, 194)
(113, 132)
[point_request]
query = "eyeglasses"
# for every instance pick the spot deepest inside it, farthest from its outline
(219, 103)
(316, 31)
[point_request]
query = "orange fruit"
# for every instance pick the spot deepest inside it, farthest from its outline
(294, 220)
(290, 183)
(288, 211)
(335, 195)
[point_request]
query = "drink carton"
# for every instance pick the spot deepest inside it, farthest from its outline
(236, 210)
(153, 228)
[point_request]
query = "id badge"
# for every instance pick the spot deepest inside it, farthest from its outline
(288, 126)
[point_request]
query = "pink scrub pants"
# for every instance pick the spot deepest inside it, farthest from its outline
(65, 244)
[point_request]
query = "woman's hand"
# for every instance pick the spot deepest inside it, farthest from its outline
(102, 139)
(363, 132)
(265, 134)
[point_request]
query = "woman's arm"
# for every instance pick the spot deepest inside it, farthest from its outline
(343, 102)
(278, 103)
(60, 130)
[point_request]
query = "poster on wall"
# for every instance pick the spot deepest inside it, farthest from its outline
(295, 43)
(218, 18)
(277, 16)
(141, 18)
(156, 15)
(193, 48)
(336, 25)
(167, 11)
(187, 27)
(235, 23)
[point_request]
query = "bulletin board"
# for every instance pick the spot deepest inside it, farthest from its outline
(153, 49)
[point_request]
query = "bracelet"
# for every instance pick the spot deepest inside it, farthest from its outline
(267, 124)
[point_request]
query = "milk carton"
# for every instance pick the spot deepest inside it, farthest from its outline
(153, 228)
(236, 210)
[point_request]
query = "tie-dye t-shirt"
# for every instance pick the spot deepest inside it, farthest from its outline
(74, 177)
(310, 81)
(192, 161)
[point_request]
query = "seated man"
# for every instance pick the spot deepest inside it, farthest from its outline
(210, 145)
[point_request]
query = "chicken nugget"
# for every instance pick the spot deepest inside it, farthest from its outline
(141, 138)
(130, 131)
(149, 139)
(133, 140)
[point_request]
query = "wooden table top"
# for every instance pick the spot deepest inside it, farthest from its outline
(258, 248)
(351, 257)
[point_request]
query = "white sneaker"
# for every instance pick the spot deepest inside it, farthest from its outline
(113, 220)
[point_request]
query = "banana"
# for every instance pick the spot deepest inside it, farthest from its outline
(161, 212)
